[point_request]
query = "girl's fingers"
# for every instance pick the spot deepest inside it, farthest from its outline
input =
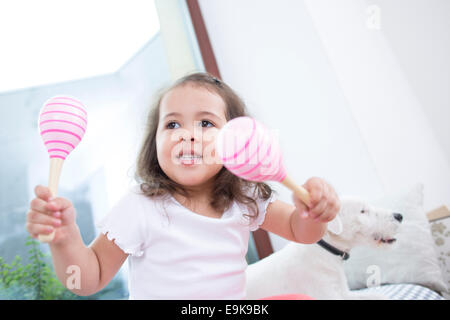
(36, 228)
(327, 216)
(301, 207)
(316, 194)
(42, 218)
(59, 204)
(39, 205)
(325, 203)
(43, 192)
(331, 211)
(319, 210)
(54, 208)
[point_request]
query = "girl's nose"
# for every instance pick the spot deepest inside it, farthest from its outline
(183, 138)
(192, 134)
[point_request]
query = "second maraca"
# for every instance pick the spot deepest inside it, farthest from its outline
(250, 151)
(62, 124)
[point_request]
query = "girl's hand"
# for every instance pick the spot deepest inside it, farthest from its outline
(325, 203)
(46, 215)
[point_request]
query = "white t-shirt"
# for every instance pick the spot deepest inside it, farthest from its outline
(178, 254)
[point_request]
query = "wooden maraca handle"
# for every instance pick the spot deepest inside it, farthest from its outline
(53, 179)
(299, 191)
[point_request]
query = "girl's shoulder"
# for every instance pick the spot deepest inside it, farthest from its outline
(137, 195)
(157, 204)
(135, 207)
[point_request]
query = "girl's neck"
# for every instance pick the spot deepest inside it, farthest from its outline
(198, 200)
(196, 194)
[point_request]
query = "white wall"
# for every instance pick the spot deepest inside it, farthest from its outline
(421, 43)
(335, 92)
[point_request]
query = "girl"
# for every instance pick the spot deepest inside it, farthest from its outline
(185, 227)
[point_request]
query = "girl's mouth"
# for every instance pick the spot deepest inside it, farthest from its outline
(189, 158)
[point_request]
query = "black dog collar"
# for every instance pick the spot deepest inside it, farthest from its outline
(333, 250)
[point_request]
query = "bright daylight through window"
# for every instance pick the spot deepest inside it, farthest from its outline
(50, 41)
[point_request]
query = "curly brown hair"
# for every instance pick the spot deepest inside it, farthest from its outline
(227, 187)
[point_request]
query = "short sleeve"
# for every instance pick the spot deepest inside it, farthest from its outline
(125, 224)
(262, 208)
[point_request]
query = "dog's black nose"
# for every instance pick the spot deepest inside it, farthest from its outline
(398, 217)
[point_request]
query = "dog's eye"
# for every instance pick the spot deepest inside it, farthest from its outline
(363, 211)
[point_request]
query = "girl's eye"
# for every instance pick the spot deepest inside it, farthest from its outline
(206, 123)
(172, 125)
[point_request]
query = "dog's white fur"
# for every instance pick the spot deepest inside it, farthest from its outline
(312, 270)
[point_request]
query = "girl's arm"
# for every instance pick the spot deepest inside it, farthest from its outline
(285, 220)
(83, 270)
(86, 270)
(299, 223)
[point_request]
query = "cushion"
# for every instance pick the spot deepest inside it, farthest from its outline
(412, 259)
(403, 292)
(440, 230)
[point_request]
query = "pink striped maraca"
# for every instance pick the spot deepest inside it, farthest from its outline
(250, 151)
(62, 124)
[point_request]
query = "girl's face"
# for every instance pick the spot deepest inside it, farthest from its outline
(190, 118)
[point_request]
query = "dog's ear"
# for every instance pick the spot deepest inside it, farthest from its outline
(335, 226)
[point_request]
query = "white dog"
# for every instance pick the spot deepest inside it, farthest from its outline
(316, 271)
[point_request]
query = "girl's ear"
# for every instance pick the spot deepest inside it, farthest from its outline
(335, 226)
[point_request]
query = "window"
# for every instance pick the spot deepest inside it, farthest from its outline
(109, 55)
